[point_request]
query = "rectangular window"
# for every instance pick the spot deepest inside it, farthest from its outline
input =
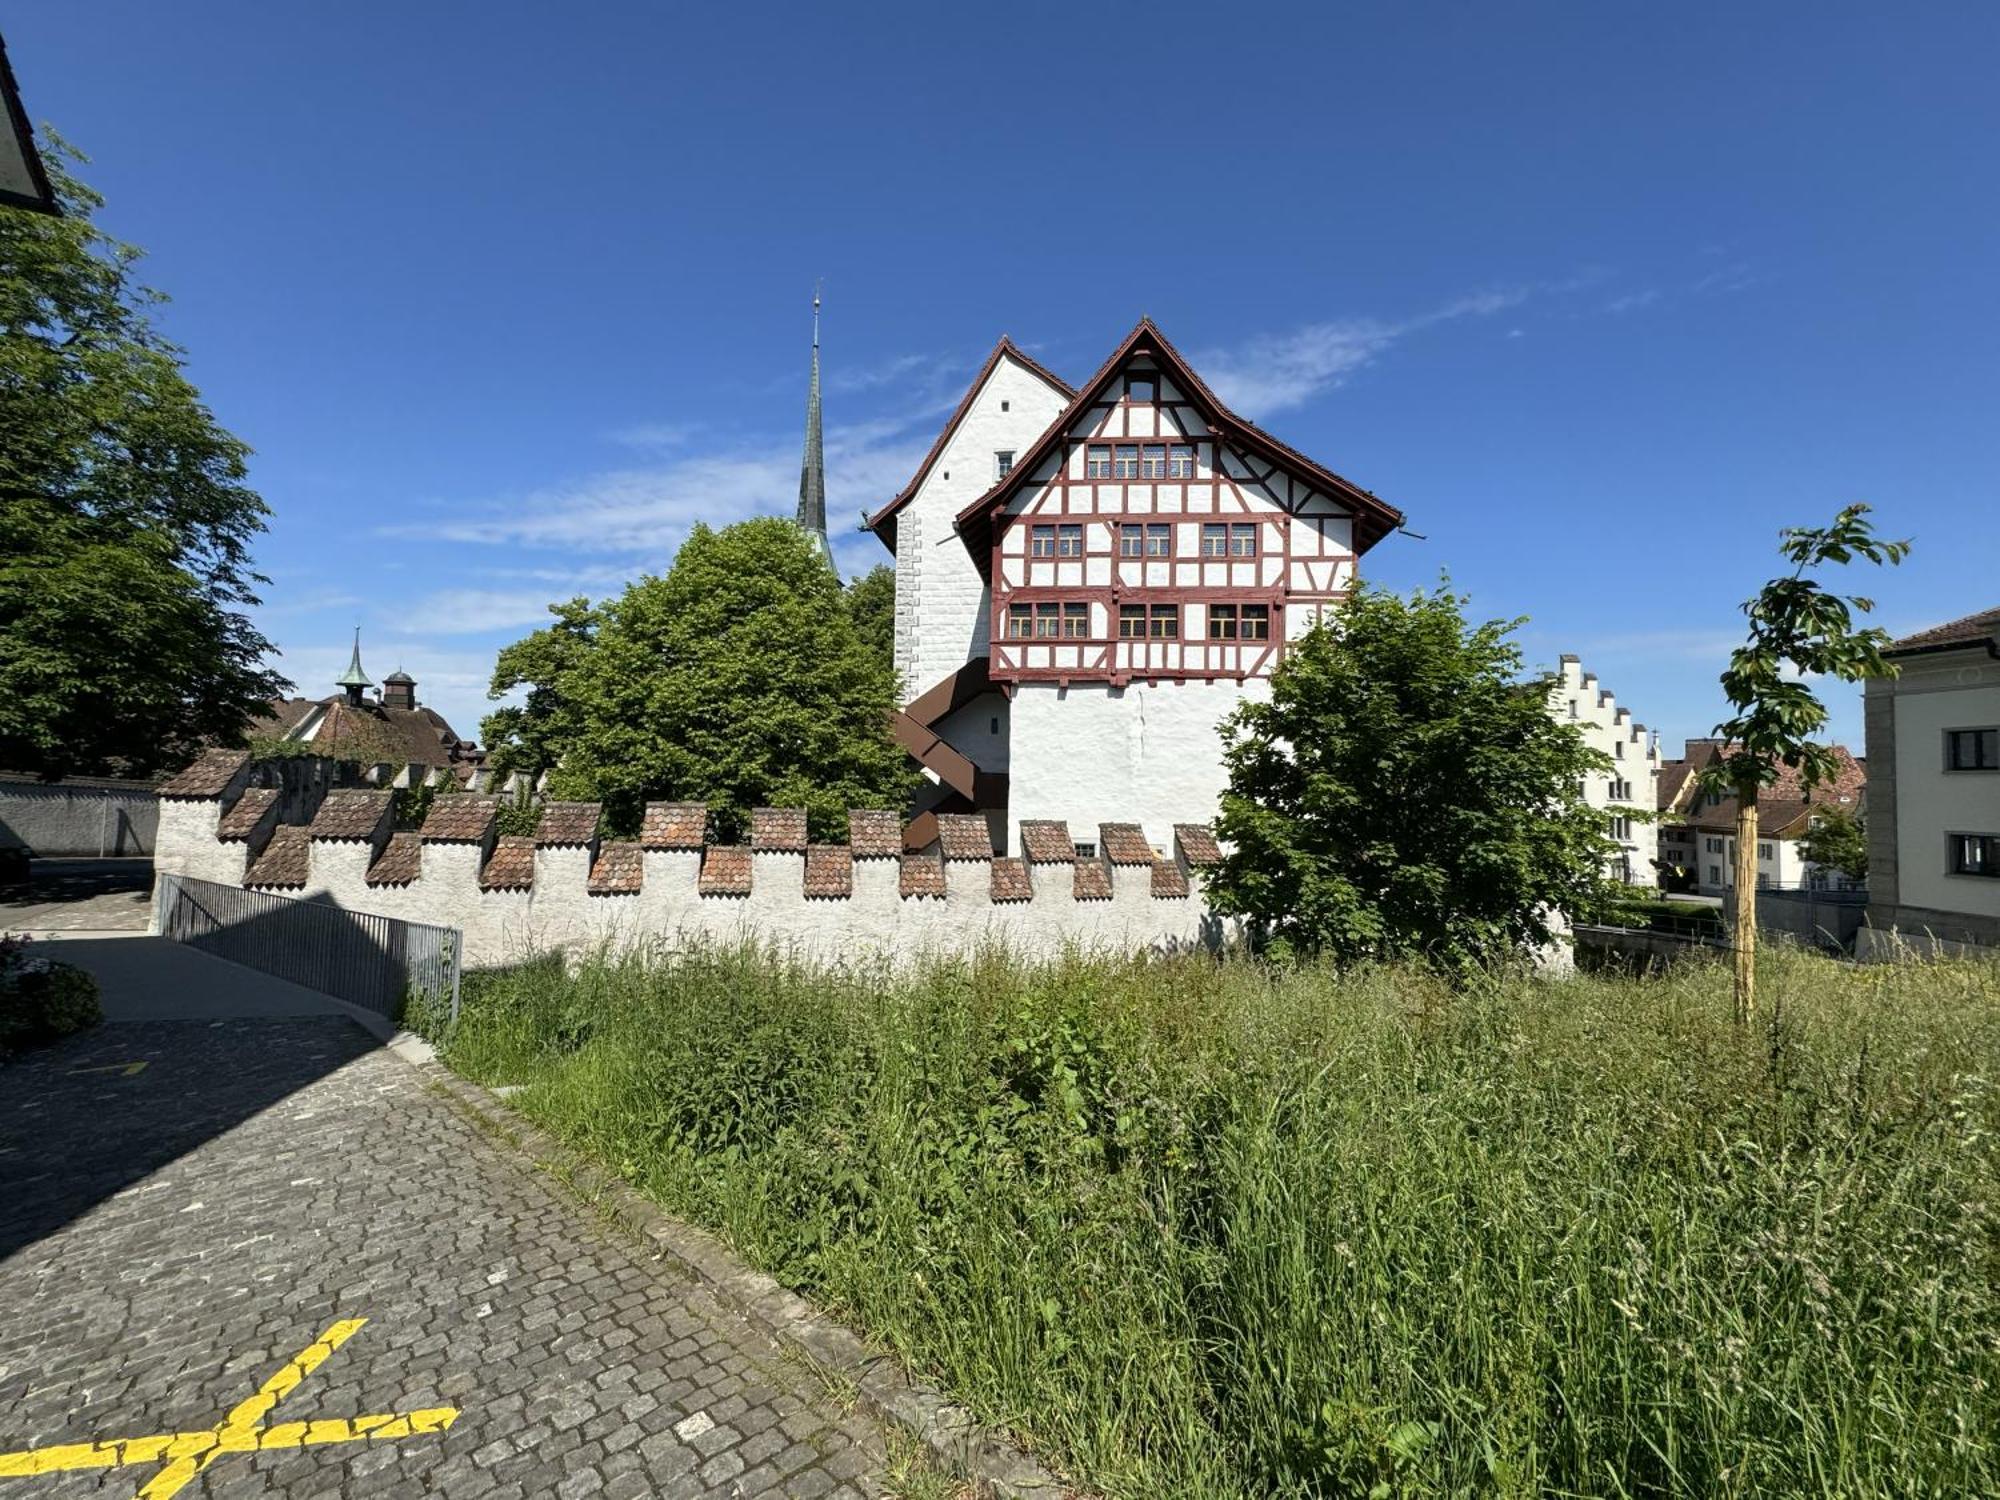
(1042, 541)
(1714, 875)
(1069, 541)
(1163, 621)
(1142, 388)
(1618, 748)
(1048, 620)
(1621, 828)
(1215, 539)
(1003, 461)
(1222, 622)
(1256, 622)
(1180, 461)
(1131, 622)
(1075, 620)
(1243, 539)
(1763, 881)
(1975, 854)
(1146, 539)
(1572, 708)
(1127, 466)
(1763, 851)
(1153, 461)
(1972, 749)
(1097, 461)
(1020, 621)
(1714, 846)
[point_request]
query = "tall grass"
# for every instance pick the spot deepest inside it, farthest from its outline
(1210, 1229)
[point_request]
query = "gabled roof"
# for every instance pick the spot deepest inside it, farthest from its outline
(1373, 518)
(1005, 349)
(1973, 630)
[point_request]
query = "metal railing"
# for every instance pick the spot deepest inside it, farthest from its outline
(367, 960)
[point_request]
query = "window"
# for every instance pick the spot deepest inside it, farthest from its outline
(1069, 541)
(1042, 541)
(1153, 461)
(1180, 461)
(1148, 539)
(1056, 541)
(1618, 748)
(1229, 539)
(1572, 708)
(1714, 875)
(1003, 462)
(1972, 749)
(1097, 462)
(1239, 622)
(1048, 620)
(1975, 854)
(1621, 828)
(1155, 621)
(1763, 851)
(1713, 846)
(1763, 882)
(1005, 405)
(1142, 388)
(1222, 622)
(1256, 622)
(1127, 466)
(1085, 850)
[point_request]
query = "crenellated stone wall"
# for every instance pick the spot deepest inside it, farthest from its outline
(570, 887)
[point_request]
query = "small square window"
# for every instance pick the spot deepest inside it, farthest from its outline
(1069, 541)
(1075, 620)
(1975, 854)
(1215, 539)
(1243, 539)
(1042, 541)
(1256, 622)
(1006, 406)
(1131, 622)
(1222, 622)
(1153, 461)
(1097, 462)
(1164, 621)
(1003, 463)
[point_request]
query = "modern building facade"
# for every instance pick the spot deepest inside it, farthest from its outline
(1934, 787)
(1577, 698)
(1089, 579)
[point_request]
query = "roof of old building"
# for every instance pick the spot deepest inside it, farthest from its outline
(1009, 880)
(921, 875)
(1197, 844)
(1092, 881)
(460, 817)
(242, 819)
(964, 836)
(1782, 807)
(372, 731)
(1972, 630)
(1169, 879)
(285, 860)
(1124, 844)
(725, 871)
(782, 828)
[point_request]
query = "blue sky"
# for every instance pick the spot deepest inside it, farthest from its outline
(507, 296)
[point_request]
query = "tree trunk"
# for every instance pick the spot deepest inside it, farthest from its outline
(1745, 920)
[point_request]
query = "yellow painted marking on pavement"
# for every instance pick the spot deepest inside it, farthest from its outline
(128, 1069)
(186, 1454)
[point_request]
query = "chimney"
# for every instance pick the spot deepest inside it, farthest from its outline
(399, 690)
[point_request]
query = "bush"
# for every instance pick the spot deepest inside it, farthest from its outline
(40, 999)
(1225, 1230)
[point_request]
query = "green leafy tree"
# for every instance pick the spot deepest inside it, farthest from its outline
(1799, 630)
(1837, 840)
(871, 602)
(125, 521)
(1404, 794)
(738, 679)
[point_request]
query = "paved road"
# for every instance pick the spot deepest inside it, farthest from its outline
(81, 895)
(282, 1198)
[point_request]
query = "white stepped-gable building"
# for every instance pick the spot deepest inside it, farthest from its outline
(1089, 580)
(1576, 698)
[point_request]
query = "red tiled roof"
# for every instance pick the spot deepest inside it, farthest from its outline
(1972, 630)
(285, 859)
(209, 776)
(1046, 841)
(619, 870)
(725, 871)
(829, 871)
(1124, 844)
(674, 825)
(1781, 806)
(371, 732)
(350, 814)
(1009, 880)
(400, 862)
(782, 828)
(567, 823)
(964, 836)
(511, 866)
(922, 875)
(873, 834)
(242, 819)
(460, 817)
(1169, 879)
(1092, 881)
(1197, 844)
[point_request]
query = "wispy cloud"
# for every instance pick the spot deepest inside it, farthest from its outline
(658, 434)
(1633, 301)
(920, 370)
(1663, 645)
(474, 611)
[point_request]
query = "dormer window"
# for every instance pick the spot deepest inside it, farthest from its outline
(1142, 388)
(1003, 463)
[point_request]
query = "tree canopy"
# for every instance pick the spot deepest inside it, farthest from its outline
(1837, 840)
(125, 519)
(739, 678)
(1404, 793)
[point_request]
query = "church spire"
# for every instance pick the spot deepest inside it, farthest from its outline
(812, 472)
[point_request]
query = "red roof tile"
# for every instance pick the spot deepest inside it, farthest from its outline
(1009, 880)
(285, 860)
(674, 825)
(567, 823)
(782, 828)
(1124, 844)
(1169, 879)
(922, 875)
(964, 836)
(873, 834)
(1046, 841)
(400, 862)
(209, 776)
(350, 814)
(242, 819)
(725, 871)
(829, 871)
(1092, 881)
(1197, 844)
(511, 866)
(619, 870)
(1972, 630)
(460, 818)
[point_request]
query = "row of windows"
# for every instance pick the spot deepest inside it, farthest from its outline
(1718, 846)
(1139, 461)
(1146, 539)
(1069, 619)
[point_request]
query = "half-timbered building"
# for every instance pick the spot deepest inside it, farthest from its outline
(1112, 570)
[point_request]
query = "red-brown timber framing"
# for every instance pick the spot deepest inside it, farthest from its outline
(883, 522)
(1262, 458)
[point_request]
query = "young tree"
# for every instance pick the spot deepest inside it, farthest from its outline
(1798, 630)
(738, 679)
(1837, 840)
(125, 522)
(1404, 794)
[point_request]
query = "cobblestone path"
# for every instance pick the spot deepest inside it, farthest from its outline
(173, 1236)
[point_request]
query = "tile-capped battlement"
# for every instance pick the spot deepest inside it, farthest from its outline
(829, 872)
(286, 861)
(460, 818)
(674, 825)
(209, 776)
(619, 869)
(566, 823)
(1124, 844)
(247, 813)
(725, 870)
(964, 836)
(1170, 881)
(874, 834)
(1009, 880)
(781, 829)
(1046, 841)
(1092, 881)
(511, 866)
(351, 815)
(400, 862)
(1197, 845)
(921, 875)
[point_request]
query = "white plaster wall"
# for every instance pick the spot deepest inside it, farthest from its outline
(979, 731)
(1149, 754)
(1634, 758)
(185, 843)
(941, 609)
(1958, 691)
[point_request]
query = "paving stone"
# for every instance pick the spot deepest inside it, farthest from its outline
(173, 1237)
